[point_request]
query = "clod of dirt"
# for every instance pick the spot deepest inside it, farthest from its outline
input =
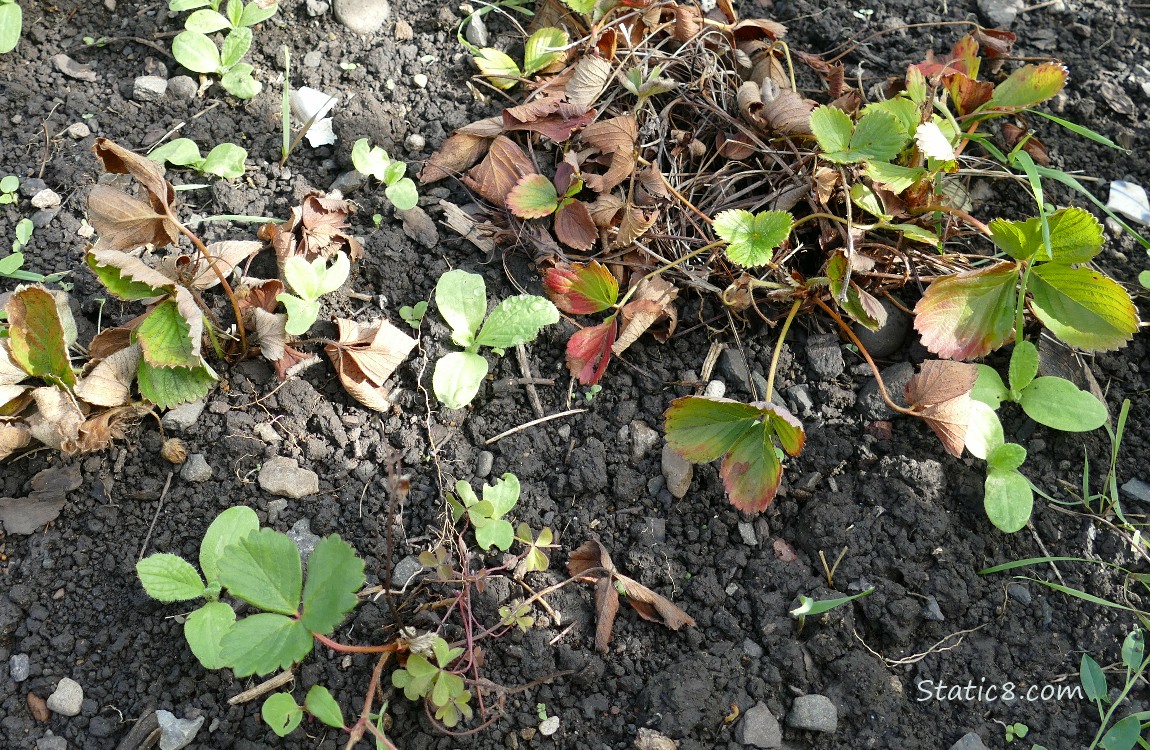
(284, 477)
(49, 489)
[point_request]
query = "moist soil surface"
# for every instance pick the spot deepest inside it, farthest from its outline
(906, 517)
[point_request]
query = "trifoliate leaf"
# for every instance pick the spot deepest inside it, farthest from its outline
(752, 238)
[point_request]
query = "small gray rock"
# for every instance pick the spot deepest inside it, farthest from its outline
(149, 88)
(52, 742)
(1019, 593)
(418, 226)
(931, 611)
(759, 728)
(267, 433)
(752, 649)
(31, 186)
(313, 59)
(415, 142)
(78, 131)
(18, 667)
(747, 534)
(1138, 490)
(1001, 13)
(643, 439)
(275, 507)
(678, 472)
(969, 741)
(800, 400)
(183, 88)
(183, 416)
(362, 16)
(67, 698)
(815, 713)
(895, 377)
(348, 182)
(176, 734)
(196, 469)
(549, 726)
(889, 339)
(715, 389)
(45, 199)
(825, 356)
(733, 364)
(317, 7)
(43, 217)
(405, 571)
(303, 537)
(483, 463)
(284, 477)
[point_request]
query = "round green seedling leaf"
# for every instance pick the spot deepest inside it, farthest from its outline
(301, 313)
(462, 301)
(1008, 499)
(169, 578)
(9, 184)
(264, 569)
(394, 171)
(403, 194)
(178, 6)
(1134, 650)
(226, 160)
(302, 276)
(196, 52)
(207, 21)
(984, 430)
(235, 46)
(204, 631)
(1058, 403)
(239, 82)
(322, 705)
(229, 527)
(457, 378)
(254, 13)
(183, 152)
(281, 713)
(11, 23)
(1006, 457)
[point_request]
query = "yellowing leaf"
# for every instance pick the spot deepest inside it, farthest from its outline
(36, 336)
(969, 314)
(1029, 85)
(498, 67)
(543, 48)
(582, 288)
(533, 197)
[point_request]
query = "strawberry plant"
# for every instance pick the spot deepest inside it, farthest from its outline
(461, 298)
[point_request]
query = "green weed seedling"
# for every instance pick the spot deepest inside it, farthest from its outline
(195, 50)
(809, 607)
(11, 24)
(1125, 733)
(431, 679)
(486, 515)
(374, 162)
(413, 315)
(310, 281)
(10, 183)
(461, 298)
(1016, 731)
(225, 160)
(11, 265)
(283, 714)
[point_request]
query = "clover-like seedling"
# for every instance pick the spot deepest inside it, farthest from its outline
(9, 184)
(486, 515)
(433, 681)
(536, 559)
(413, 315)
(517, 615)
(462, 301)
(752, 238)
(374, 162)
(195, 50)
(225, 160)
(283, 714)
(310, 281)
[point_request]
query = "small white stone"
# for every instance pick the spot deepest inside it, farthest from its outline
(67, 698)
(45, 199)
(420, 80)
(549, 726)
(415, 142)
(78, 130)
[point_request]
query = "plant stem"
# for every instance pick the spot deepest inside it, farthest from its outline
(866, 355)
(223, 282)
(779, 348)
(983, 228)
(619, 305)
(1130, 683)
(364, 723)
(345, 649)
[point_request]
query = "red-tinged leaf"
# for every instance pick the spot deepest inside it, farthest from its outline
(939, 381)
(1012, 135)
(589, 351)
(965, 55)
(1029, 85)
(582, 288)
(788, 429)
(751, 471)
(533, 197)
(967, 93)
(758, 28)
(574, 226)
(703, 429)
(557, 123)
(495, 176)
(995, 43)
(969, 314)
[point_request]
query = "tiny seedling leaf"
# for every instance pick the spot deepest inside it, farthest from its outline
(402, 193)
(457, 378)
(11, 22)
(1008, 499)
(983, 430)
(236, 45)
(517, 320)
(334, 575)
(1023, 365)
(239, 82)
(323, 706)
(809, 607)
(206, 21)
(1134, 650)
(204, 631)
(462, 301)
(1082, 307)
(752, 238)
(281, 712)
(255, 12)
(1058, 403)
(301, 313)
(533, 197)
(263, 568)
(183, 152)
(1093, 678)
(263, 643)
(169, 578)
(582, 288)
(229, 527)
(196, 52)
(1006, 457)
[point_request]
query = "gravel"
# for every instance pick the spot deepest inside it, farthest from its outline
(815, 713)
(67, 698)
(759, 728)
(284, 477)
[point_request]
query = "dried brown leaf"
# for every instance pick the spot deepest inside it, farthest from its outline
(124, 222)
(605, 208)
(606, 609)
(939, 381)
(574, 226)
(504, 165)
(109, 383)
(614, 137)
(549, 116)
(13, 437)
(489, 127)
(269, 331)
(366, 356)
(652, 301)
(56, 423)
(758, 28)
(252, 294)
(688, 23)
(634, 224)
(226, 255)
(119, 160)
(654, 607)
(770, 68)
(588, 81)
(111, 340)
(98, 432)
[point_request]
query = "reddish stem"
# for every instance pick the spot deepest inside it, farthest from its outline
(387, 648)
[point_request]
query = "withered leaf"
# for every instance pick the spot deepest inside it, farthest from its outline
(11, 375)
(615, 137)
(111, 340)
(119, 160)
(13, 437)
(592, 563)
(131, 268)
(124, 222)
(605, 208)
(634, 224)
(588, 81)
(49, 489)
(109, 382)
(458, 153)
(688, 23)
(940, 393)
(574, 226)
(504, 165)
(73, 69)
(314, 229)
(653, 300)
(56, 423)
(366, 356)
(785, 110)
(98, 431)
(226, 254)
(589, 351)
(269, 330)
(758, 28)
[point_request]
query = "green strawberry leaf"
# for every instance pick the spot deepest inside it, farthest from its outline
(893, 177)
(37, 340)
(1082, 307)
(204, 631)
(752, 238)
(169, 578)
(170, 334)
(969, 314)
(1075, 237)
(171, 386)
(229, 527)
(334, 575)
(502, 71)
(1027, 86)
(263, 643)
(263, 568)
